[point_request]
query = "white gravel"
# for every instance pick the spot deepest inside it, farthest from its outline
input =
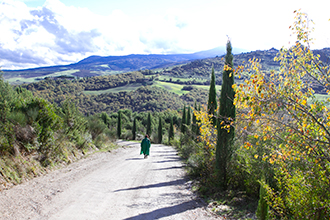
(116, 185)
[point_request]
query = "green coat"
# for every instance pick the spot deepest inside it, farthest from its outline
(145, 146)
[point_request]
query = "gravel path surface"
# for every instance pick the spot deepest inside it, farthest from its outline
(116, 185)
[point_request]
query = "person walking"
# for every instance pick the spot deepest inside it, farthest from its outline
(145, 146)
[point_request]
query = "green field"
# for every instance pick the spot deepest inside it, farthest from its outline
(217, 87)
(107, 72)
(63, 73)
(174, 79)
(20, 80)
(104, 66)
(323, 98)
(126, 88)
(172, 87)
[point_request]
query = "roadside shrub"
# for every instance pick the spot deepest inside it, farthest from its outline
(75, 124)
(175, 142)
(101, 141)
(95, 126)
(126, 134)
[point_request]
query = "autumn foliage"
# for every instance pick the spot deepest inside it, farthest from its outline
(282, 131)
(283, 116)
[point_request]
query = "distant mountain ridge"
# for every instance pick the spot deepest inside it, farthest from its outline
(108, 65)
(189, 65)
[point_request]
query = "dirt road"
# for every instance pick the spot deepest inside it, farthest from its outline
(116, 185)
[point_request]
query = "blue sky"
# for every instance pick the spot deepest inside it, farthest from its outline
(53, 32)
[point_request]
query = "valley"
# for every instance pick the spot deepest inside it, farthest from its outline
(97, 91)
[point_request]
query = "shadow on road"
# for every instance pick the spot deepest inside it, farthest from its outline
(165, 151)
(126, 143)
(167, 211)
(166, 161)
(169, 168)
(135, 158)
(165, 155)
(170, 183)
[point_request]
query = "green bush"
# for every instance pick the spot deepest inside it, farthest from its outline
(95, 126)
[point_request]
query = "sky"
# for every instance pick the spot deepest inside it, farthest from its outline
(35, 33)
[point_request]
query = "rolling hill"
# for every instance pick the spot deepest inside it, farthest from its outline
(146, 90)
(108, 65)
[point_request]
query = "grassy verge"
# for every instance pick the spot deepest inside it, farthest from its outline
(232, 205)
(19, 169)
(229, 204)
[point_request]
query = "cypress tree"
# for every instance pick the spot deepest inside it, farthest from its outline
(199, 109)
(212, 103)
(149, 124)
(194, 121)
(189, 116)
(119, 124)
(160, 131)
(134, 129)
(227, 114)
(184, 120)
(262, 210)
(171, 131)
(105, 118)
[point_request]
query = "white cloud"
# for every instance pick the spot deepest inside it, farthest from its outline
(58, 34)
(43, 36)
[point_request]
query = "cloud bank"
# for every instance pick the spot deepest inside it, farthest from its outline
(56, 34)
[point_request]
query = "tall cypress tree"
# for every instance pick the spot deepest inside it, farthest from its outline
(149, 124)
(212, 103)
(199, 109)
(189, 116)
(194, 121)
(119, 124)
(227, 114)
(263, 207)
(171, 131)
(134, 129)
(184, 120)
(105, 118)
(160, 131)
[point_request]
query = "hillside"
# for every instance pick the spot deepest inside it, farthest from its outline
(202, 67)
(175, 85)
(142, 98)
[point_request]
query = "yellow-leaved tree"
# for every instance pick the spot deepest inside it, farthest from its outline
(292, 124)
